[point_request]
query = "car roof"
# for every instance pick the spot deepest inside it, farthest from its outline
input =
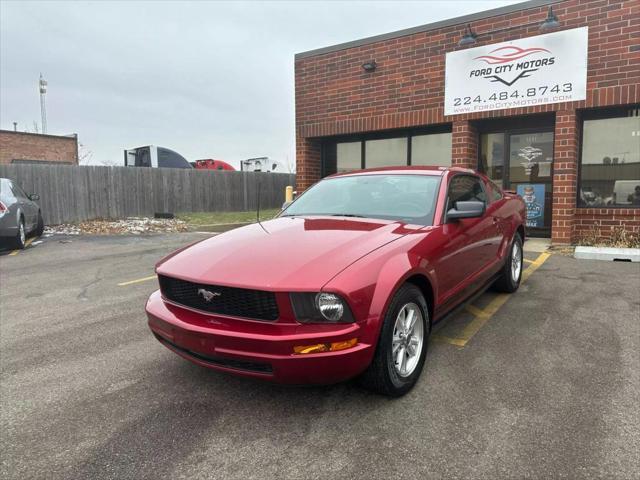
(420, 170)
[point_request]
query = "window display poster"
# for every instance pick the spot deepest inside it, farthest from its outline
(533, 196)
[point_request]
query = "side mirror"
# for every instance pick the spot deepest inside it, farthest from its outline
(34, 197)
(471, 209)
(286, 204)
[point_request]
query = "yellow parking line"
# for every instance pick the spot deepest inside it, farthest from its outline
(451, 341)
(527, 260)
(138, 280)
(535, 265)
(482, 315)
(475, 311)
(26, 244)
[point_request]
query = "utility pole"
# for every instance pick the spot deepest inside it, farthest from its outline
(43, 108)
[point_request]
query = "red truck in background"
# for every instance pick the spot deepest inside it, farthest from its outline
(212, 164)
(154, 157)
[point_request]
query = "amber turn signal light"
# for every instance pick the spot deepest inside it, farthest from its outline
(325, 347)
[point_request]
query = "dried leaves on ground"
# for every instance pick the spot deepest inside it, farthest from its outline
(618, 237)
(132, 225)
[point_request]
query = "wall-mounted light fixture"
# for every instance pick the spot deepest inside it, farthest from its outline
(470, 37)
(369, 66)
(550, 22)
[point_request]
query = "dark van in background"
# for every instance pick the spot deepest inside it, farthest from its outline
(153, 156)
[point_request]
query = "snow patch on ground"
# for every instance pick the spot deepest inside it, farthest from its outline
(131, 225)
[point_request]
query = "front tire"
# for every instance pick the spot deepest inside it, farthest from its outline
(509, 280)
(40, 226)
(402, 346)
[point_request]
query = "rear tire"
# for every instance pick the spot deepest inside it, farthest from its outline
(509, 280)
(40, 226)
(402, 346)
(21, 236)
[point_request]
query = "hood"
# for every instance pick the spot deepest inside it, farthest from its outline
(298, 254)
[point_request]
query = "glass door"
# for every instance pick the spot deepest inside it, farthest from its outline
(530, 174)
(523, 162)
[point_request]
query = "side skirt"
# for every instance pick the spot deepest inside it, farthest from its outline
(467, 300)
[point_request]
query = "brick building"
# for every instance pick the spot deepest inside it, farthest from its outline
(563, 130)
(21, 147)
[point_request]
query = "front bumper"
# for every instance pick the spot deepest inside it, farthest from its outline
(257, 349)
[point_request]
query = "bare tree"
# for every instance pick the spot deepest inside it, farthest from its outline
(84, 154)
(291, 165)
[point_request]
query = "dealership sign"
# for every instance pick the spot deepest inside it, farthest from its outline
(549, 68)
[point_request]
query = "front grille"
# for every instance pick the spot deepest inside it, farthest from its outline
(220, 361)
(235, 302)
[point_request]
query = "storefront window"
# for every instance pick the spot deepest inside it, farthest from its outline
(610, 162)
(434, 149)
(348, 156)
(492, 156)
(386, 152)
(349, 153)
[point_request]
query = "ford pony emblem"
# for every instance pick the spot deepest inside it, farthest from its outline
(207, 295)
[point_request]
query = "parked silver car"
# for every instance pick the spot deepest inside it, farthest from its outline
(20, 215)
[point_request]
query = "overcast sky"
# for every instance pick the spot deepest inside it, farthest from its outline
(207, 79)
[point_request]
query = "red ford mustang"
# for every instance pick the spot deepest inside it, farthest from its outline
(347, 281)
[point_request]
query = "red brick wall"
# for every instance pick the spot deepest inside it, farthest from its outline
(464, 145)
(32, 146)
(308, 171)
(335, 96)
(604, 221)
(565, 176)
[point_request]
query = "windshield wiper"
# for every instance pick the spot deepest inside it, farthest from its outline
(346, 215)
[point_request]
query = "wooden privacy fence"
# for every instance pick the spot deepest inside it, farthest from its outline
(77, 193)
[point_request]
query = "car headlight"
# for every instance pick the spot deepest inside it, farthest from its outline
(320, 307)
(330, 306)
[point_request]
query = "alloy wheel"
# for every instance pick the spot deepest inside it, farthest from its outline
(516, 262)
(23, 237)
(408, 339)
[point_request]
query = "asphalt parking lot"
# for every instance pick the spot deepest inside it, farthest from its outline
(543, 384)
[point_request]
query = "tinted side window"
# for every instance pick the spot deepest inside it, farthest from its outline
(18, 192)
(465, 188)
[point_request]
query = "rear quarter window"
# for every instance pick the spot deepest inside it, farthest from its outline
(18, 192)
(495, 192)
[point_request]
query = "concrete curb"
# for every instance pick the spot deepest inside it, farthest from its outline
(608, 253)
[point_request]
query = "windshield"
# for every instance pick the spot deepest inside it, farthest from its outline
(407, 198)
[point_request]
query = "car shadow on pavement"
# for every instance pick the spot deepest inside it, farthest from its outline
(199, 410)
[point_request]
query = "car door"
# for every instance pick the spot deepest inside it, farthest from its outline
(468, 248)
(27, 207)
(496, 209)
